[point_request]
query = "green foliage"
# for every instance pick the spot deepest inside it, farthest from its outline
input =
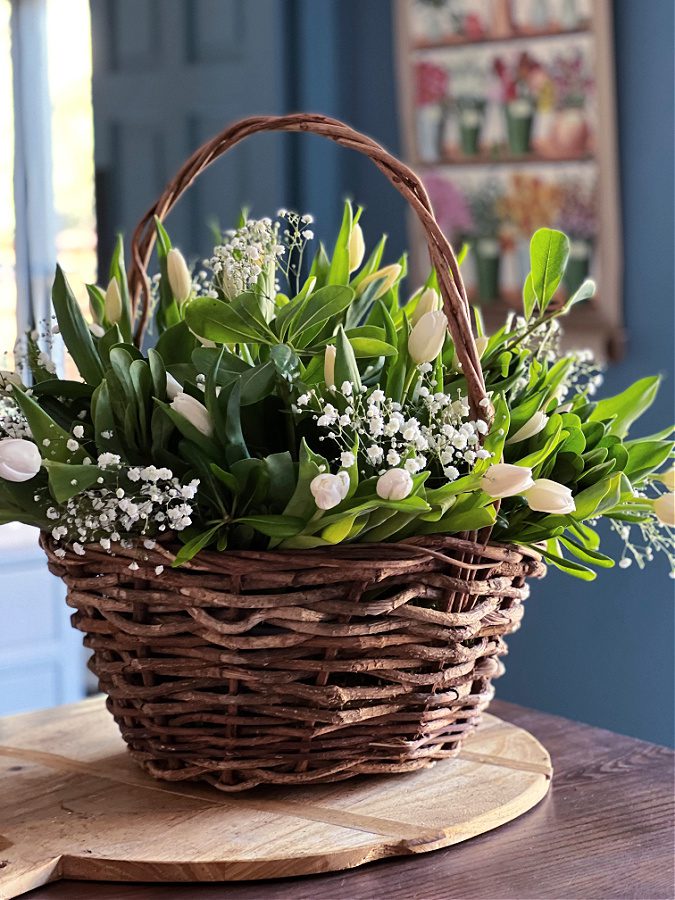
(257, 449)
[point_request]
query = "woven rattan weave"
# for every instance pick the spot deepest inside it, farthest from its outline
(285, 667)
(243, 668)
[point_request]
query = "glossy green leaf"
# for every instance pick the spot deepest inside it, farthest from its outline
(75, 331)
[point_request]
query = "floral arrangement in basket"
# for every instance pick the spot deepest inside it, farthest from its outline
(281, 409)
(297, 520)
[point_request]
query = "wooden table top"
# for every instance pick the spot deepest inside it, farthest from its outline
(605, 830)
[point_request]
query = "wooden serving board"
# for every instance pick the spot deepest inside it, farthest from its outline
(74, 805)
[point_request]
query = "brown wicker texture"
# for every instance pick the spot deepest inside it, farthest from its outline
(244, 668)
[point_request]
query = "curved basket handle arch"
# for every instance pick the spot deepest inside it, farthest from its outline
(406, 182)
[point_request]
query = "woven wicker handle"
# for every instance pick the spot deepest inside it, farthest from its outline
(453, 292)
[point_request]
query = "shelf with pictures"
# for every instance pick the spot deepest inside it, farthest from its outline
(451, 40)
(452, 23)
(495, 212)
(476, 106)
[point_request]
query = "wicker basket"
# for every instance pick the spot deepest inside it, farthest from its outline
(288, 667)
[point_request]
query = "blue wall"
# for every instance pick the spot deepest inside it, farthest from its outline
(601, 652)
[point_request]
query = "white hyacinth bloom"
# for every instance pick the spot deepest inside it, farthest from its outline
(19, 459)
(329, 490)
(180, 279)
(505, 480)
(550, 496)
(664, 509)
(427, 337)
(395, 484)
(194, 411)
(534, 425)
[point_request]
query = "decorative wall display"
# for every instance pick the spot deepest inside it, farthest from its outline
(508, 111)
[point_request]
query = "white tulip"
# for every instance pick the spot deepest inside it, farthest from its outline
(357, 248)
(667, 478)
(9, 377)
(173, 387)
(329, 490)
(194, 411)
(395, 484)
(533, 426)
(329, 365)
(388, 276)
(550, 497)
(19, 459)
(505, 480)
(113, 302)
(429, 301)
(427, 337)
(180, 279)
(97, 330)
(664, 509)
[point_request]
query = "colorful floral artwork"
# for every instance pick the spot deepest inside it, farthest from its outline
(505, 129)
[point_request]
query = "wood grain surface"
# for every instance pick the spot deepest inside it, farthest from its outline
(75, 805)
(605, 830)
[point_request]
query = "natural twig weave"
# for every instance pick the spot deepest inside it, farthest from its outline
(244, 668)
(280, 667)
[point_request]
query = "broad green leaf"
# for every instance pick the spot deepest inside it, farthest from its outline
(302, 502)
(585, 291)
(118, 272)
(176, 344)
(273, 525)
(346, 368)
(623, 409)
(323, 304)
(257, 382)
(75, 331)
(65, 481)
(549, 250)
(529, 296)
(339, 266)
(220, 322)
(189, 550)
(585, 554)
(51, 439)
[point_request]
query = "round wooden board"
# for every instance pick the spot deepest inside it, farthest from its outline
(74, 805)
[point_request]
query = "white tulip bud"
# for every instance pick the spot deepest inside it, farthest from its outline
(550, 497)
(533, 426)
(194, 411)
(429, 301)
(173, 388)
(395, 484)
(667, 478)
(9, 377)
(427, 337)
(388, 276)
(180, 279)
(97, 330)
(329, 490)
(19, 459)
(329, 365)
(664, 509)
(505, 480)
(113, 302)
(357, 248)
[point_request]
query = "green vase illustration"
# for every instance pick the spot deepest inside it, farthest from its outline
(470, 127)
(487, 268)
(578, 264)
(519, 115)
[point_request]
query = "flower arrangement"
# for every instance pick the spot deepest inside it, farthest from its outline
(290, 402)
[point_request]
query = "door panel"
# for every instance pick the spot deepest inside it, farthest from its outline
(167, 76)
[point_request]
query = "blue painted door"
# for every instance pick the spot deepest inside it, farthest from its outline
(168, 75)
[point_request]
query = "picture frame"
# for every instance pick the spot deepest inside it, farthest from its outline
(508, 113)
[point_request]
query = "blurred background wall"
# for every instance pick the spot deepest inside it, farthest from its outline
(166, 76)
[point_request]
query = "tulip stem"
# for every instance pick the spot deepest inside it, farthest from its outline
(408, 383)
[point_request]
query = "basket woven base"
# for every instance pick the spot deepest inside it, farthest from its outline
(247, 668)
(76, 806)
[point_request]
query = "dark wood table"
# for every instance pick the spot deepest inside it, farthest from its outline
(605, 830)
